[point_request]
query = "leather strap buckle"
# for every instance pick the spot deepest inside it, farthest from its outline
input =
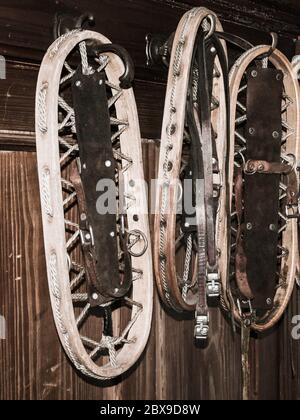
(87, 237)
(202, 327)
(292, 211)
(213, 285)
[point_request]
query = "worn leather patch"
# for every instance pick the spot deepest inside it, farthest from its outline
(261, 191)
(97, 163)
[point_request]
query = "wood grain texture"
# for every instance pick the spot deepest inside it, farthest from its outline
(17, 97)
(32, 364)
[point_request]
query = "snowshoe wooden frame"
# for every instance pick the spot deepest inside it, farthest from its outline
(171, 157)
(288, 226)
(121, 351)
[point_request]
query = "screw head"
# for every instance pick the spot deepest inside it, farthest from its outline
(254, 73)
(278, 76)
(251, 131)
(249, 226)
(269, 301)
(275, 134)
(187, 225)
(100, 82)
(83, 217)
(213, 50)
(87, 236)
(78, 83)
(108, 163)
(84, 166)
(131, 183)
(95, 296)
(112, 234)
(272, 227)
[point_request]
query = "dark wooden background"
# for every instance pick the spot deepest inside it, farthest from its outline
(32, 364)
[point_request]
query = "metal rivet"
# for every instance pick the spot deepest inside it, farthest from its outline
(172, 129)
(84, 166)
(88, 236)
(187, 225)
(279, 76)
(249, 226)
(132, 183)
(275, 134)
(213, 50)
(254, 73)
(108, 163)
(260, 167)
(272, 227)
(83, 216)
(247, 322)
(78, 83)
(112, 234)
(100, 82)
(169, 166)
(116, 290)
(251, 131)
(269, 301)
(95, 296)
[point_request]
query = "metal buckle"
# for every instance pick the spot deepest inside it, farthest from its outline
(246, 317)
(213, 287)
(87, 237)
(202, 327)
(292, 211)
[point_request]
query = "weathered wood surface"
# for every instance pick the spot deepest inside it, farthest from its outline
(32, 364)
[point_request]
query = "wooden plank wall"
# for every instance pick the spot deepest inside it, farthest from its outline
(32, 364)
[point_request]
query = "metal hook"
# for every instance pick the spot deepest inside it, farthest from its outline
(85, 18)
(212, 28)
(127, 78)
(273, 46)
(64, 23)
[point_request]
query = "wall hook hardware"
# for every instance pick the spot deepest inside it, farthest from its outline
(158, 48)
(64, 23)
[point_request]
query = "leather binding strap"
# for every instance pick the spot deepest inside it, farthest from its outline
(97, 163)
(203, 150)
(256, 257)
